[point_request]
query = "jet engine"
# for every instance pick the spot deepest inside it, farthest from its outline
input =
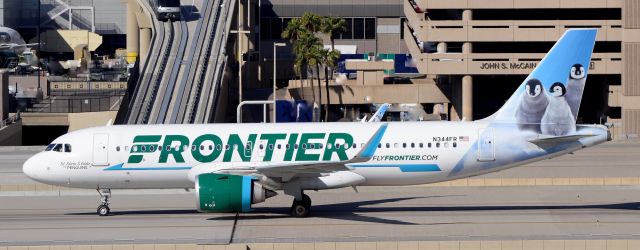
(228, 193)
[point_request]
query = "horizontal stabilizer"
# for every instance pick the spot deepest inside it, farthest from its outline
(551, 141)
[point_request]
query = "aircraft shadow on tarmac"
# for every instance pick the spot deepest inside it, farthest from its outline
(353, 211)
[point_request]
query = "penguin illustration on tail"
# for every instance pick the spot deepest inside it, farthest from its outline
(575, 87)
(558, 119)
(533, 104)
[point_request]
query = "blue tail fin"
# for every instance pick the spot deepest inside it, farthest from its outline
(553, 91)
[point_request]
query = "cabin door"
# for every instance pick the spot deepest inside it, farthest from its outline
(101, 149)
(486, 145)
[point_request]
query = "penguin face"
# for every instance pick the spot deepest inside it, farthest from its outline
(557, 89)
(533, 87)
(577, 71)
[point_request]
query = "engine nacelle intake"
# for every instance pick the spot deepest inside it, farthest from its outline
(228, 193)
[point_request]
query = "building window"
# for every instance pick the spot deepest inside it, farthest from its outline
(348, 32)
(369, 28)
(358, 28)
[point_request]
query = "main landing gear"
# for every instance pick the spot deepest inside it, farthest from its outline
(103, 208)
(301, 208)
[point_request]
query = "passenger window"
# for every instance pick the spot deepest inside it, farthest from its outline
(226, 146)
(413, 145)
(118, 148)
(404, 145)
(193, 147)
(337, 145)
(50, 147)
(312, 145)
(270, 146)
(388, 145)
(126, 148)
(395, 145)
(304, 146)
(168, 148)
(279, 146)
(295, 146)
(67, 148)
(261, 147)
(288, 146)
(57, 148)
(354, 145)
(429, 145)
(320, 145)
(446, 144)
(379, 145)
(455, 144)
(421, 145)
(437, 144)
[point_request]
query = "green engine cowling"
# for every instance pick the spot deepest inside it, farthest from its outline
(228, 193)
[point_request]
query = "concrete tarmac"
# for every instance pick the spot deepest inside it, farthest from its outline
(373, 214)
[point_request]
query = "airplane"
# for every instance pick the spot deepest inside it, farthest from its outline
(11, 40)
(377, 116)
(232, 166)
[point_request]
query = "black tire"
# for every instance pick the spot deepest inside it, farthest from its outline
(299, 209)
(103, 210)
(306, 200)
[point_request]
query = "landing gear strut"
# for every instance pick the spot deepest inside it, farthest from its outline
(301, 208)
(103, 208)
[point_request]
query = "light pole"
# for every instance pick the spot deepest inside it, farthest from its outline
(275, 45)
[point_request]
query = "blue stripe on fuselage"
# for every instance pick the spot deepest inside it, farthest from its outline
(403, 167)
(120, 167)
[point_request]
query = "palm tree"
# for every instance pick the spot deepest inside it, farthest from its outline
(309, 50)
(298, 34)
(329, 59)
(331, 26)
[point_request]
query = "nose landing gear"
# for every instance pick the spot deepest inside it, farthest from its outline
(103, 208)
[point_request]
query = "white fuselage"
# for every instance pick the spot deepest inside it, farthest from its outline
(127, 156)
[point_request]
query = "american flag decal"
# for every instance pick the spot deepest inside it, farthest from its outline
(463, 138)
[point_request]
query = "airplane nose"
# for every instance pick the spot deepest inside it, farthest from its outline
(30, 168)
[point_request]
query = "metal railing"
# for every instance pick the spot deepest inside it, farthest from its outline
(77, 104)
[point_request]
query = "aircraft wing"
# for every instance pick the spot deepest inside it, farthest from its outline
(290, 170)
(14, 45)
(363, 155)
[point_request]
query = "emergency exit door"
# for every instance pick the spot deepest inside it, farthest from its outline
(100, 149)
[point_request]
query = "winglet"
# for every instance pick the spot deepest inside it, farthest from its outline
(380, 113)
(370, 147)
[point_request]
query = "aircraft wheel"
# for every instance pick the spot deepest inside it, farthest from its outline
(301, 208)
(103, 210)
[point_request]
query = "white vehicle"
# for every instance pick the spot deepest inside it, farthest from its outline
(232, 166)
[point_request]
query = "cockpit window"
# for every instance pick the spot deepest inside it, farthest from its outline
(57, 148)
(67, 148)
(49, 147)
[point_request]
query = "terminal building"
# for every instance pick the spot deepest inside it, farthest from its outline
(472, 54)
(454, 59)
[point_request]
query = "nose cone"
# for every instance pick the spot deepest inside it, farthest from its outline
(30, 168)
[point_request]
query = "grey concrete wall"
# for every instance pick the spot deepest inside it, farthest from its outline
(344, 8)
(11, 135)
